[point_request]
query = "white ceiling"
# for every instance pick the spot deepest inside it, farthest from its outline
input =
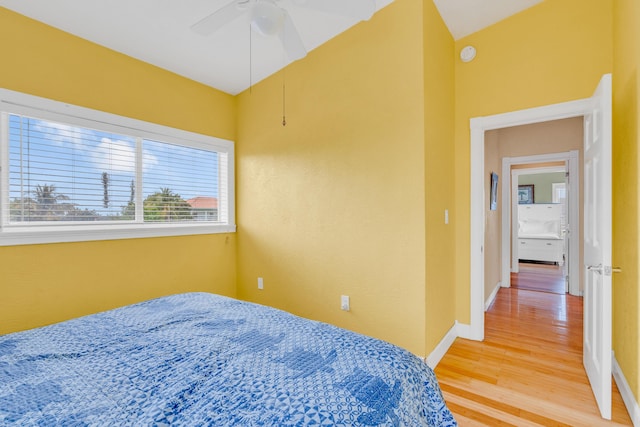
(158, 32)
(464, 17)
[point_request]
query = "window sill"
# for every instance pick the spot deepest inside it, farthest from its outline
(66, 234)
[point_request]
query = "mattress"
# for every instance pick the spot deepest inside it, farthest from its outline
(200, 359)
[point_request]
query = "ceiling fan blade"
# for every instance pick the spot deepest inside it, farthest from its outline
(359, 9)
(290, 38)
(212, 23)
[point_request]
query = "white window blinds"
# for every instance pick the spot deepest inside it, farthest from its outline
(181, 183)
(92, 170)
(59, 172)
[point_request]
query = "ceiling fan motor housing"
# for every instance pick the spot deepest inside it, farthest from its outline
(267, 18)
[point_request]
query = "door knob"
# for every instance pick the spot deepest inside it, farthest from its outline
(597, 268)
(607, 270)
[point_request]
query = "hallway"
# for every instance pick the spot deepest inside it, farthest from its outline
(528, 370)
(539, 277)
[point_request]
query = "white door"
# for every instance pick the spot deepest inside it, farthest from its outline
(597, 246)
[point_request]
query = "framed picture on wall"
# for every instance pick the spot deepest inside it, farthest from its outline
(525, 194)
(493, 200)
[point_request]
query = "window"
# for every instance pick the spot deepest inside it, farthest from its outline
(71, 174)
(559, 192)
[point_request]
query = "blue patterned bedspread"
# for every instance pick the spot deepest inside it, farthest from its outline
(199, 359)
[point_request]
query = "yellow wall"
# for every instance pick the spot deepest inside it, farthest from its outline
(626, 116)
(439, 176)
(334, 203)
(41, 284)
(554, 52)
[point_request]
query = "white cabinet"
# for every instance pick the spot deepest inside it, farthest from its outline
(550, 250)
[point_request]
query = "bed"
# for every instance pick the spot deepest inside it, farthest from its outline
(201, 359)
(540, 233)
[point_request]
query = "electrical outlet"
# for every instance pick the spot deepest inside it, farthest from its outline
(446, 216)
(344, 303)
(260, 283)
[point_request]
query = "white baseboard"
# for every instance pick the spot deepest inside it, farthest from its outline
(463, 330)
(492, 297)
(627, 395)
(438, 353)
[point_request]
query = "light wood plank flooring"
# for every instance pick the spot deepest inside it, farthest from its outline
(528, 370)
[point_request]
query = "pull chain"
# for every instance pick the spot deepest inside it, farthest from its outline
(250, 59)
(284, 114)
(284, 91)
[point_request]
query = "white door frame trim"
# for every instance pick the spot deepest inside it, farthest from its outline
(509, 204)
(479, 125)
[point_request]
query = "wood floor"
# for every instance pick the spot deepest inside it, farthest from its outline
(528, 370)
(539, 277)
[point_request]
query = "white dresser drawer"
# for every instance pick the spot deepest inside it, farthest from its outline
(541, 249)
(540, 244)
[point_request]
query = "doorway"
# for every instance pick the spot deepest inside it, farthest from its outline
(567, 250)
(596, 112)
(541, 227)
(479, 126)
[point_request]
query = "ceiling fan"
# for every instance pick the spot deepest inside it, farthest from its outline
(270, 18)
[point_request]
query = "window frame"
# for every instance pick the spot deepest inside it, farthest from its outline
(12, 102)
